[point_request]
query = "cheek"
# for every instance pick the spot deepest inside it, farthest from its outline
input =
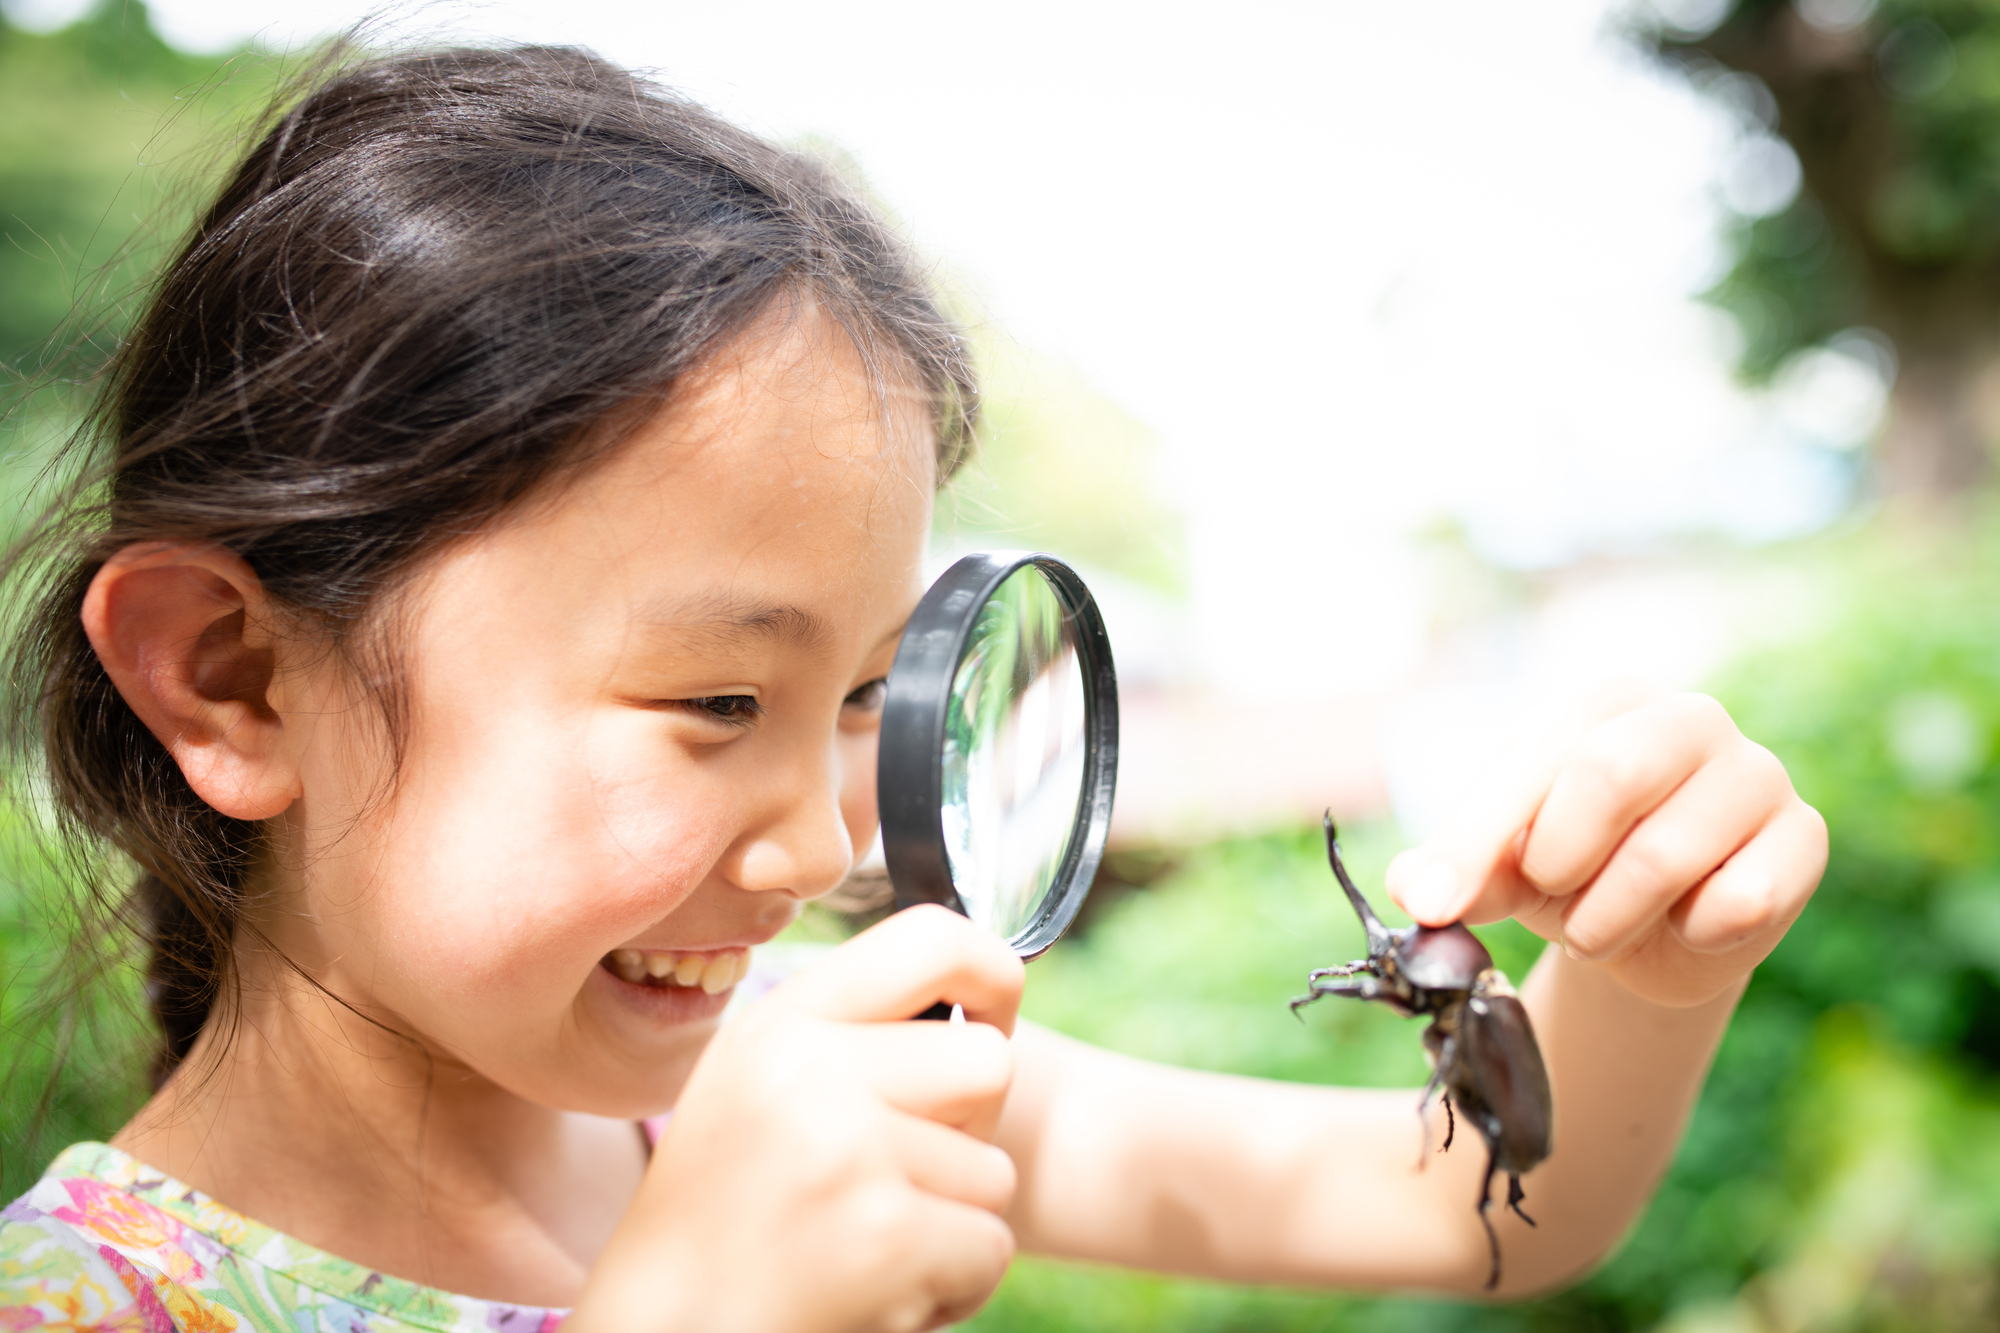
(519, 855)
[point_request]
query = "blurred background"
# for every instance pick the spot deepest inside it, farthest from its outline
(1392, 371)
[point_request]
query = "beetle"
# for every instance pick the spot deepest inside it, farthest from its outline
(1480, 1043)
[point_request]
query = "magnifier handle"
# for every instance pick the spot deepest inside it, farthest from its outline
(943, 1013)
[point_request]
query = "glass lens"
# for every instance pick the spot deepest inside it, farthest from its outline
(1013, 754)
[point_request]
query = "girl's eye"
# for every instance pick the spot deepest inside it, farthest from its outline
(868, 698)
(738, 708)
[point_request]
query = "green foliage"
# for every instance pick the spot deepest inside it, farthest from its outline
(75, 1039)
(98, 127)
(1888, 725)
(1792, 286)
(1897, 121)
(1939, 62)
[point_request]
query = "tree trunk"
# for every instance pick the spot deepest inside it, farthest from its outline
(1940, 422)
(1942, 310)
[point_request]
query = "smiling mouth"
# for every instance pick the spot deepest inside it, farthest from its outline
(662, 970)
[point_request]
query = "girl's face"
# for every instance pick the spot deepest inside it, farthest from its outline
(641, 732)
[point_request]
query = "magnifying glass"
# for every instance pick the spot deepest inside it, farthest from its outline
(999, 747)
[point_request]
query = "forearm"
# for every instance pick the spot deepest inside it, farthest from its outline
(1128, 1162)
(1625, 1074)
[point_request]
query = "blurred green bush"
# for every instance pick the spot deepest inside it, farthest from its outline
(68, 1071)
(106, 134)
(1843, 1167)
(102, 131)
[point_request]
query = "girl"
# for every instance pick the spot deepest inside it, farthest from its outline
(475, 634)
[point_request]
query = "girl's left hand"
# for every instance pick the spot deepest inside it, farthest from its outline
(1647, 835)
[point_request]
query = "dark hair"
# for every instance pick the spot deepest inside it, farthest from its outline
(423, 293)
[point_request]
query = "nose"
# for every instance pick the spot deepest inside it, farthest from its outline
(799, 843)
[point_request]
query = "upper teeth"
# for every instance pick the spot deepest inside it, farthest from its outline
(714, 973)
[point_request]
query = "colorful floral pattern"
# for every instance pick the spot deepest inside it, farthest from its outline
(106, 1244)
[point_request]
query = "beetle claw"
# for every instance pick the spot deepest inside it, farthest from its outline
(1515, 1196)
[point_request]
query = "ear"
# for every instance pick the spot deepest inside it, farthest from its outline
(183, 630)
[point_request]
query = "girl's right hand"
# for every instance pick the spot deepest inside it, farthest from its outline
(828, 1166)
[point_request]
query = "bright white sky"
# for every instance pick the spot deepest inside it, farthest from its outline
(1360, 264)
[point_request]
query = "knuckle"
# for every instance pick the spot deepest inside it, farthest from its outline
(879, 1212)
(989, 1056)
(1585, 933)
(1764, 768)
(1734, 908)
(1742, 913)
(1814, 826)
(988, 1041)
(1754, 897)
(908, 1312)
(1006, 1177)
(1621, 694)
(1652, 864)
(993, 1241)
(1704, 711)
(1585, 939)
(987, 1179)
(1003, 1245)
(928, 919)
(1607, 763)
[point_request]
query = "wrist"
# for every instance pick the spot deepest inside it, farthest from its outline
(1697, 987)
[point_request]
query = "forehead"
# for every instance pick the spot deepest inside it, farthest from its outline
(796, 383)
(786, 434)
(785, 464)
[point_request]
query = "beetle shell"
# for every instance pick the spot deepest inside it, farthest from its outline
(1505, 1088)
(1441, 957)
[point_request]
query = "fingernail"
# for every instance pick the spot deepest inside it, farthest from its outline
(1430, 888)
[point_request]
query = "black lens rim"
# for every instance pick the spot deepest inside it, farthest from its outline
(909, 767)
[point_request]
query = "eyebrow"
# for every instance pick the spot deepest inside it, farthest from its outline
(725, 620)
(731, 619)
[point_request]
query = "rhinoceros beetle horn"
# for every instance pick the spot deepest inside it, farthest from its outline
(1381, 940)
(1436, 957)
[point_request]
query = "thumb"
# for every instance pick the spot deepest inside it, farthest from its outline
(900, 967)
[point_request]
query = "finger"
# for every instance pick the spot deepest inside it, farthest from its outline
(1759, 891)
(1620, 770)
(902, 966)
(953, 1165)
(1674, 848)
(954, 1073)
(970, 1249)
(1501, 894)
(1467, 870)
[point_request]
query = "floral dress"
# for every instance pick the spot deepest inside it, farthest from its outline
(103, 1243)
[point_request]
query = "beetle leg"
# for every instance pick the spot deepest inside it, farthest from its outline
(1344, 970)
(1485, 1202)
(1447, 1053)
(1359, 988)
(1514, 1197)
(1424, 1121)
